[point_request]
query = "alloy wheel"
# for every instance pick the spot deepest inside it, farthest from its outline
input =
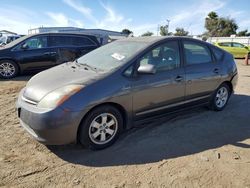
(7, 69)
(221, 97)
(103, 128)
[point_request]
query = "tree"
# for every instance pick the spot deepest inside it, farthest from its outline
(163, 30)
(127, 31)
(148, 33)
(243, 33)
(219, 26)
(180, 32)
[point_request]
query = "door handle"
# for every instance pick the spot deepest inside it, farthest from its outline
(178, 78)
(49, 53)
(216, 71)
(46, 53)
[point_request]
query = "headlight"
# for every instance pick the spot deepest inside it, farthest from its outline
(58, 96)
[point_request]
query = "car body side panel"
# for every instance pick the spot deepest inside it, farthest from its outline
(201, 79)
(154, 91)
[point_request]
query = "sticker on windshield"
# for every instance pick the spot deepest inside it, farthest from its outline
(117, 56)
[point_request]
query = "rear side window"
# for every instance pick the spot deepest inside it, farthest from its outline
(70, 41)
(84, 41)
(196, 53)
(238, 45)
(217, 53)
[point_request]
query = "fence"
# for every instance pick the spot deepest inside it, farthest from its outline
(242, 40)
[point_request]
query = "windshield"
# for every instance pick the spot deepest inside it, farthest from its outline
(3, 39)
(112, 55)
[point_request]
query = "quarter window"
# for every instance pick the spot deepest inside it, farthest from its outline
(164, 57)
(217, 53)
(196, 53)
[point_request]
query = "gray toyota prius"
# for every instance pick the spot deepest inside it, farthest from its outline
(134, 80)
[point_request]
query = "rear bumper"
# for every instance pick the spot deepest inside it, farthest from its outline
(234, 81)
(50, 127)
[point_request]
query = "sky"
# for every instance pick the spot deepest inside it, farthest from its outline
(139, 16)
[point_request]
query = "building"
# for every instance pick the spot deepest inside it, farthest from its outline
(104, 36)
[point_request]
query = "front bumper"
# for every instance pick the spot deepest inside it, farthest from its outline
(50, 127)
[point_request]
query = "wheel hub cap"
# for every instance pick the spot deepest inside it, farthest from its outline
(7, 69)
(103, 128)
(221, 97)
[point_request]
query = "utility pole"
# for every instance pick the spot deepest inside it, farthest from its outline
(167, 26)
(158, 28)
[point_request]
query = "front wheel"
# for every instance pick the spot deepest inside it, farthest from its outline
(220, 98)
(8, 69)
(101, 127)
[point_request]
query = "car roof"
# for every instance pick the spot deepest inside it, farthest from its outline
(58, 33)
(154, 39)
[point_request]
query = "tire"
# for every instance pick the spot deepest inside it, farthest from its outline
(101, 128)
(8, 69)
(220, 97)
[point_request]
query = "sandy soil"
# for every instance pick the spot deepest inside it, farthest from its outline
(200, 148)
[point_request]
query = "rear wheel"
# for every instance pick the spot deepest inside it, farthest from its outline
(220, 97)
(8, 69)
(101, 127)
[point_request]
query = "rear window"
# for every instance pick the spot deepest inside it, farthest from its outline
(70, 41)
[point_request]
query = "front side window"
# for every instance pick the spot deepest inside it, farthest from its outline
(164, 57)
(226, 44)
(36, 42)
(196, 53)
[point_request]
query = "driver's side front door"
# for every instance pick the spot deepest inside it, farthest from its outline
(34, 54)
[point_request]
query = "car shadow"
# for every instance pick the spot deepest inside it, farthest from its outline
(25, 77)
(180, 135)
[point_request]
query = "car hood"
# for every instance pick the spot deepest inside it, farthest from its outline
(68, 73)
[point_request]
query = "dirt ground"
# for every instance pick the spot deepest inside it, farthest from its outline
(200, 148)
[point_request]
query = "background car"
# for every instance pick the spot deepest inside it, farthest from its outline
(237, 49)
(7, 39)
(41, 51)
(123, 83)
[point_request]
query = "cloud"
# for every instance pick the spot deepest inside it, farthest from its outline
(17, 19)
(60, 20)
(111, 19)
(192, 18)
(86, 11)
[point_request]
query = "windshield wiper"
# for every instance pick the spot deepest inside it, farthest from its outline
(95, 69)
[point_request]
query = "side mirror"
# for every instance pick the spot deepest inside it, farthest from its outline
(24, 46)
(147, 69)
